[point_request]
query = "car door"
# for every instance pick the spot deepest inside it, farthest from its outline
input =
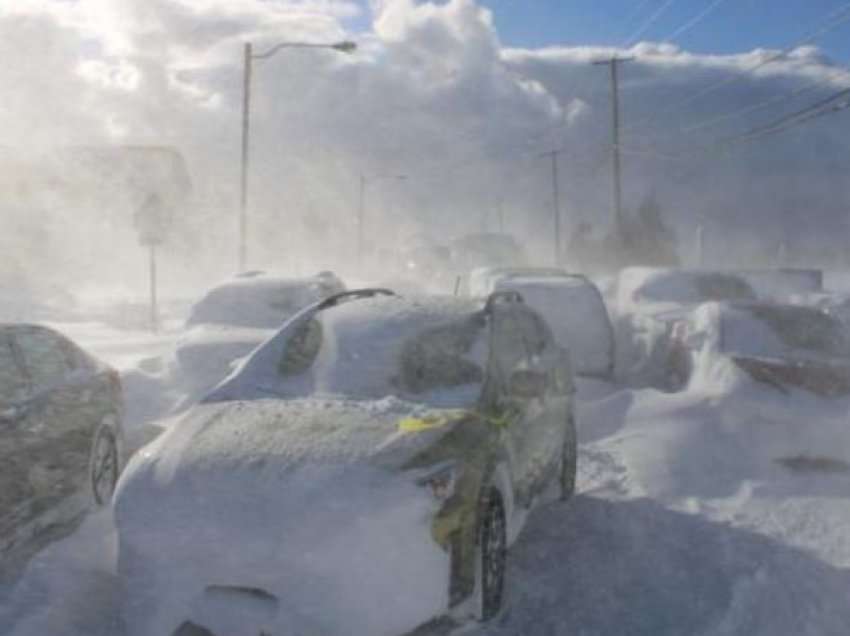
(533, 416)
(57, 430)
(16, 493)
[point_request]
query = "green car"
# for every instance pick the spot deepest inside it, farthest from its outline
(363, 472)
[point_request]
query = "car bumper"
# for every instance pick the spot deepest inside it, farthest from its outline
(373, 574)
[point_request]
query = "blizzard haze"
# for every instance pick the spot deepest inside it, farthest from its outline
(431, 94)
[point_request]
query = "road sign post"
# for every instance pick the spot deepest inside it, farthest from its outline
(151, 221)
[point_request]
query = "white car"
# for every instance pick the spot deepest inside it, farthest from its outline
(649, 301)
(363, 472)
(782, 346)
(570, 303)
(236, 316)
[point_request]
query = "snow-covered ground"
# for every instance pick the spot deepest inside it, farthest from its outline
(684, 523)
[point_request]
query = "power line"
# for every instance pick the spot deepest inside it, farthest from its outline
(752, 107)
(690, 24)
(646, 25)
(835, 103)
(826, 106)
(833, 20)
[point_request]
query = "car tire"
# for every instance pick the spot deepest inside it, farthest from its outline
(103, 464)
(491, 556)
(569, 453)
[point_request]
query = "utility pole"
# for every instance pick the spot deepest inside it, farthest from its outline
(361, 210)
(613, 64)
(152, 276)
(556, 203)
(243, 182)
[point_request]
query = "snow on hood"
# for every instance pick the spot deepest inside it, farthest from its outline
(234, 455)
(235, 436)
(303, 487)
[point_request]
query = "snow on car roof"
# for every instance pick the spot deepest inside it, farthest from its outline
(770, 329)
(653, 284)
(356, 349)
(260, 300)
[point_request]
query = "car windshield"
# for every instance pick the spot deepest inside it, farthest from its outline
(376, 349)
(785, 331)
(692, 288)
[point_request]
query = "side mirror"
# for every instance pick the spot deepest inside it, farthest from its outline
(527, 384)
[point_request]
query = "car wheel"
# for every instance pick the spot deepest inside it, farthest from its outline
(103, 465)
(491, 557)
(567, 478)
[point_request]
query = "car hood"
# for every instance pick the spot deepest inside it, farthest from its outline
(299, 487)
(255, 448)
(244, 435)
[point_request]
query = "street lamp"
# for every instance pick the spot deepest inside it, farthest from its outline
(361, 210)
(250, 56)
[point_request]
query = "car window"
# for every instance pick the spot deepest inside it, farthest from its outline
(804, 328)
(13, 383)
(301, 349)
(439, 358)
(520, 338)
(722, 287)
(45, 360)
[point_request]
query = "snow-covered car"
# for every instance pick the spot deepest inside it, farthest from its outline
(649, 301)
(363, 472)
(236, 316)
(780, 345)
(570, 303)
(61, 439)
(782, 283)
(485, 249)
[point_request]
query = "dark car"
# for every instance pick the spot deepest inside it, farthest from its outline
(374, 438)
(61, 440)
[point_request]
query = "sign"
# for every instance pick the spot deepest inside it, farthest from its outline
(151, 221)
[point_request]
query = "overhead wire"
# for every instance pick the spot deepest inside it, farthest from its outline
(631, 40)
(690, 24)
(833, 20)
(834, 103)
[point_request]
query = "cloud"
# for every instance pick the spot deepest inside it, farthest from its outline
(432, 94)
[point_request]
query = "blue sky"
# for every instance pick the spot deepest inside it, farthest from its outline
(733, 26)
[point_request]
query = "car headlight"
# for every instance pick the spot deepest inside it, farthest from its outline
(440, 479)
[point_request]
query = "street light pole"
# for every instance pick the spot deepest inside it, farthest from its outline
(247, 69)
(243, 182)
